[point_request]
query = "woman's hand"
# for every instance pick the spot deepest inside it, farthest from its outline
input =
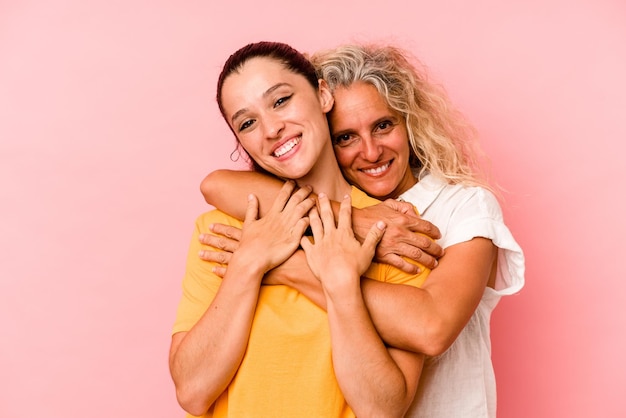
(225, 238)
(407, 235)
(294, 272)
(336, 256)
(270, 240)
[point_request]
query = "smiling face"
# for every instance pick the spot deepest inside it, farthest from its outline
(279, 118)
(371, 141)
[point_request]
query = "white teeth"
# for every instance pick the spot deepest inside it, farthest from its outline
(377, 170)
(286, 147)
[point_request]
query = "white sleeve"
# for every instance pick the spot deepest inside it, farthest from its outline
(480, 215)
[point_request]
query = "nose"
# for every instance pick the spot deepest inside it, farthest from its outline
(371, 150)
(273, 126)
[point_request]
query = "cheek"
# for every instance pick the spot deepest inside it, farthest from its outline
(402, 143)
(400, 146)
(248, 145)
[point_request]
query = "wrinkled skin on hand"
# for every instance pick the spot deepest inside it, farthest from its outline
(407, 235)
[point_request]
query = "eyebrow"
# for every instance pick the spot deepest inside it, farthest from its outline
(390, 116)
(265, 94)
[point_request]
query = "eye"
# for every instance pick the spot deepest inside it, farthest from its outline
(384, 125)
(282, 101)
(246, 124)
(343, 140)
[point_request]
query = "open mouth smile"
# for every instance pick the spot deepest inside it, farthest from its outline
(286, 147)
(376, 170)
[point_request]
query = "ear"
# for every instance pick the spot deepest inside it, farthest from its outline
(326, 98)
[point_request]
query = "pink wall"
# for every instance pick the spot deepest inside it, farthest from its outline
(107, 125)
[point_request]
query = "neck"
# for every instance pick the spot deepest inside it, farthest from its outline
(326, 177)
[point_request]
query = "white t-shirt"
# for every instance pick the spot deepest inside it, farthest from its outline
(461, 382)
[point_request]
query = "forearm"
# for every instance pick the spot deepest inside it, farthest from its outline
(227, 190)
(434, 315)
(425, 328)
(420, 323)
(204, 360)
(295, 273)
(373, 384)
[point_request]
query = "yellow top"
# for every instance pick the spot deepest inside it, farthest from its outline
(287, 370)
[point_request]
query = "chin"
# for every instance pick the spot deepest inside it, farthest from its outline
(373, 186)
(296, 173)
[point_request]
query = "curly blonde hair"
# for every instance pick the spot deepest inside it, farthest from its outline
(442, 142)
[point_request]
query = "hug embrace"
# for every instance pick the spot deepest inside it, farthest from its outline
(353, 270)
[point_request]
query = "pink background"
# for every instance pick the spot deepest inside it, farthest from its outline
(108, 124)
